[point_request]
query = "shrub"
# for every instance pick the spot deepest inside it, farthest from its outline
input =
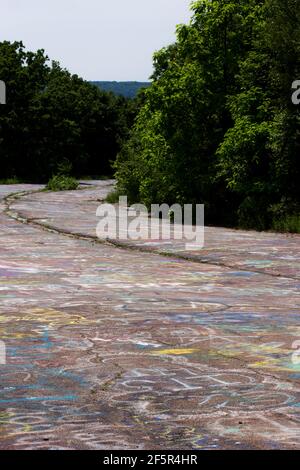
(113, 197)
(289, 224)
(62, 183)
(13, 180)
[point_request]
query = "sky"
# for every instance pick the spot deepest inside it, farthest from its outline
(97, 39)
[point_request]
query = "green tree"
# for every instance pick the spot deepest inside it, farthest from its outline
(259, 157)
(25, 75)
(171, 155)
(53, 118)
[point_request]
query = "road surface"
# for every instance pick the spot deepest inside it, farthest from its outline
(115, 348)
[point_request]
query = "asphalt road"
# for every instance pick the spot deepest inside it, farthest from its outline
(118, 348)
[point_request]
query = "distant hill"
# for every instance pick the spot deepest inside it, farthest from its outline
(127, 89)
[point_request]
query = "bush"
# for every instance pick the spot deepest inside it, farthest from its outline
(289, 224)
(12, 180)
(62, 183)
(113, 197)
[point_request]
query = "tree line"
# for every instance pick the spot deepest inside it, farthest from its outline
(127, 89)
(54, 122)
(218, 125)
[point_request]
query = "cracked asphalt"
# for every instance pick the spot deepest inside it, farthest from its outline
(115, 348)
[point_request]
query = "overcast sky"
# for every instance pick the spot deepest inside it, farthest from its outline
(97, 39)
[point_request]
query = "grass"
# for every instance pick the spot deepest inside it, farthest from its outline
(13, 180)
(113, 197)
(289, 224)
(62, 183)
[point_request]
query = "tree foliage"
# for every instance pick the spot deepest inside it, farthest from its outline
(217, 125)
(259, 157)
(53, 118)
